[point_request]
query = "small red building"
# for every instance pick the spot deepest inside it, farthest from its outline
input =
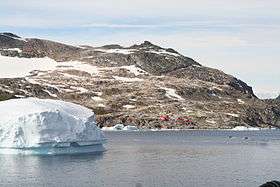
(164, 118)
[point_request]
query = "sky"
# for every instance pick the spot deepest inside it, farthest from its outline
(240, 37)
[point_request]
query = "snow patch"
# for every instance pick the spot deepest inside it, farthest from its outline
(135, 70)
(120, 51)
(233, 115)
(240, 101)
(101, 105)
(13, 67)
(171, 93)
(6, 90)
(13, 49)
(20, 96)
(211, 121)
(129, 106)
(162, 51)
(216, 88)
(97, 99)
(50, 94)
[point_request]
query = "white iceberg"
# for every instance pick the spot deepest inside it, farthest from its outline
(44, 126)
(130, 128)
(243, 128)
(121, 127)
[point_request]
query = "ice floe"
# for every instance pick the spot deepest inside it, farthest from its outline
(243, 128)
(121, 127)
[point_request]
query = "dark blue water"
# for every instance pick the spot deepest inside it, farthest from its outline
(184, 158)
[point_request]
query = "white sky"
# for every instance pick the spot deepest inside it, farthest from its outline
(240, 37)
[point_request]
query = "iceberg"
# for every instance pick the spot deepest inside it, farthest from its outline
(45, 126)
(121, 127)
(243, 128)
(130, 128)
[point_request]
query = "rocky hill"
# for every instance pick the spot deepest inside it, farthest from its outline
(144, 84)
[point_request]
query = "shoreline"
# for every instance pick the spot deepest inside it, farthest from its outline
(163, 130)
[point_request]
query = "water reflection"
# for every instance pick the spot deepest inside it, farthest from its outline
(193, 158)
(37, 169)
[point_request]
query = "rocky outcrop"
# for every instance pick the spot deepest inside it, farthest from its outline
(30, 48)
(137, 85)
(212, 75)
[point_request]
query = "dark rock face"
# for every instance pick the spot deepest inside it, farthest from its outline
(138, 84)
(10, 34)
(8, 40)
(36, 48)
(212, 75)
(158, 65)
(57, 51)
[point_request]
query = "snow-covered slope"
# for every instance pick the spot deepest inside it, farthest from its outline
(35, 123)
(13, 67)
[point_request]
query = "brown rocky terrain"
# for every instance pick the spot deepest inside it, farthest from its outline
(137, 85)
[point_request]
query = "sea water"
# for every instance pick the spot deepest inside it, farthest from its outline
(168, 158)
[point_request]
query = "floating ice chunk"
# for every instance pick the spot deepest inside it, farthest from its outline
(45, 125)
(130, 128)
(108, 129)
(117, 127)
(243, 128)
(120, 127)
